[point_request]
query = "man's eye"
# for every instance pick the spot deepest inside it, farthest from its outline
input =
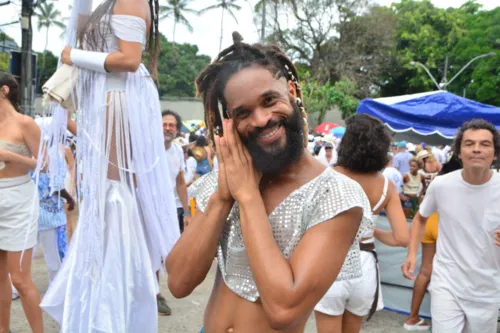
(242, 114)
(269, 100)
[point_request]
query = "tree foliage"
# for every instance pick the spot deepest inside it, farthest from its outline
(321, 98)
(50, 67)
(178, 67)
(428, 35)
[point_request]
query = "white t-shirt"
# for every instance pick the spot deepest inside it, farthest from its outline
(190, 169)
(175, 158)
(394, 175)
(467, 261)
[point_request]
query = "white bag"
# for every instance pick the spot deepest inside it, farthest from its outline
(60, 87)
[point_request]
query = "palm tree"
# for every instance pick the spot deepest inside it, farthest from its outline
(228, 5)
(48, 16)
(177, 8)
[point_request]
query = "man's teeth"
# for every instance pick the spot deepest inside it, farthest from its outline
(270, 134)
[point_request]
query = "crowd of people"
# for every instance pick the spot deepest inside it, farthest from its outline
(291, 219)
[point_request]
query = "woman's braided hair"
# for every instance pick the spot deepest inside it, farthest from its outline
(211, 83)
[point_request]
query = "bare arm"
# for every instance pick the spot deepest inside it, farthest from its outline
(70, 159)
(289, 290)
(417, 230)
(191, 258)
(182, 191)
(399, 236)
(31, 136)
(129, 56)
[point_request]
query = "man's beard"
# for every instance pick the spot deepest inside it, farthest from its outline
(278, 158)
(168, 137)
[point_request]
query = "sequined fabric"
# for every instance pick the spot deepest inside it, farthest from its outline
(319, 200)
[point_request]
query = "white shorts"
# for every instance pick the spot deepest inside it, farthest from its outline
(355, 296)
(451, 314)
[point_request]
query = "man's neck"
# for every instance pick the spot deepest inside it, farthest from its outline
(167, 145)
(476, 176)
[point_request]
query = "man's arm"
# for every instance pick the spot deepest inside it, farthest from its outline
(417, 230)
(191, 258)
(289, 290)
(182, 191)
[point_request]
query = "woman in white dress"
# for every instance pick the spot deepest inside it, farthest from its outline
(19, 142)
(128, 220)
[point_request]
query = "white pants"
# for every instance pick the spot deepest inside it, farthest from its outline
(451, 314)
(48, 240)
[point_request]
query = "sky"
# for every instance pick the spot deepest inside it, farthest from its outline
(206, 28)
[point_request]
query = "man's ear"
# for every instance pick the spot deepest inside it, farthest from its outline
(292, 90)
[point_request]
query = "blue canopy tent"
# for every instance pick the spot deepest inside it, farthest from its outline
(432, 117)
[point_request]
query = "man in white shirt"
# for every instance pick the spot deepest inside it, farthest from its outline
(465, 281)
(329, 156)
(175, 156)
(391, 173)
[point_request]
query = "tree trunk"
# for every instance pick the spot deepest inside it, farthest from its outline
(221, 29)
(173, 33)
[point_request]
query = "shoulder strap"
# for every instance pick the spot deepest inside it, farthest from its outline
(384, 195)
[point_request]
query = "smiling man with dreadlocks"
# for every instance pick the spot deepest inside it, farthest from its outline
(128, 218)
(280, 223)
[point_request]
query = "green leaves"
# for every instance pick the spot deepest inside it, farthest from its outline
(428, 35)
(178, 67)
(321, 98)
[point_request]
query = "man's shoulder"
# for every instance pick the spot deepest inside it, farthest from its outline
(450, 178)
(337, 185)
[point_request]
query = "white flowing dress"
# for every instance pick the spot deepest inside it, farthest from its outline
(128, 220)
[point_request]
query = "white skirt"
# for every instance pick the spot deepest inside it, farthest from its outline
(121, 297)
(18, 214)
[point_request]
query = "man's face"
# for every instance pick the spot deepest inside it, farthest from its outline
(266, 116)
(169, 128)
(394, 150)
(477, 149)
(328, 152)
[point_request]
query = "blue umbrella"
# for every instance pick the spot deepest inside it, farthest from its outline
(338, 132)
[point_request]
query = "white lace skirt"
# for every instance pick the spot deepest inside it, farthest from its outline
(122, 297)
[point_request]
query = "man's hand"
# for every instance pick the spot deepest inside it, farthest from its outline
(497, 237)
(241, 176)
(187, 220)
(408, 267)
(222, 188)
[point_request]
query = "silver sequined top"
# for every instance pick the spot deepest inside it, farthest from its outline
(319, 200)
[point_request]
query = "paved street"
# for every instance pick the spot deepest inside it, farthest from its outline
(187, 313)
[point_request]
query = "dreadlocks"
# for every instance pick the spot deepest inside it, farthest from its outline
(211, 82)
(92, 35)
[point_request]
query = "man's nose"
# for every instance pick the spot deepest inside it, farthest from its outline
(260, 117)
